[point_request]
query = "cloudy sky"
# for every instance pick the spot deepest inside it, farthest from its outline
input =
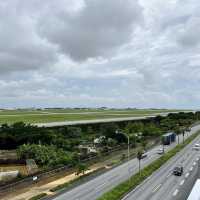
(88, 53)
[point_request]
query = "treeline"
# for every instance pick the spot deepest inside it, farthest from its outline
(58, 146)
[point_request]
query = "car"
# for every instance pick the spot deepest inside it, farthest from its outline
(178, 171)
(196, 148)
(160, 151)
(144, 155)
(197, 145)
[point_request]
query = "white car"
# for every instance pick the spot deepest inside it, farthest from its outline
(197, 148)
(160, 151)
(197, 145)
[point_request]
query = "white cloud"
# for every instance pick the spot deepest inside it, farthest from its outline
(96, 53)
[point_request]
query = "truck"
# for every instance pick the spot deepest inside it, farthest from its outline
(168, 138)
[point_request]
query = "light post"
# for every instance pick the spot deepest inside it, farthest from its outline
(128, 148)
(163, 147)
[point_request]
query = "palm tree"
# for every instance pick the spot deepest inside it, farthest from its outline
(144, 143)
(177, 130)
(139, 157)
(183, 132)
(81, 168)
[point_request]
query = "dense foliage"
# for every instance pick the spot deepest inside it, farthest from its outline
(44, 155)
(55, 146)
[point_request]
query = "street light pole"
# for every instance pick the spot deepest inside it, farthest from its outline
(128, 153)
(128, 149)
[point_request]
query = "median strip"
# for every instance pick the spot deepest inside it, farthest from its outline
(122, 189)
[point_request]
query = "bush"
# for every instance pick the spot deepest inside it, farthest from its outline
(44, 155)
(39, 196)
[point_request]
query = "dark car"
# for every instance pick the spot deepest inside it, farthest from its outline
(144, 155)
(178, 171)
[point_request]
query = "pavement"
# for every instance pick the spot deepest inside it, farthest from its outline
(105, 182)
(163, 184)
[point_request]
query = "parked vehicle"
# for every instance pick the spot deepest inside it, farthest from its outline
(178, 171)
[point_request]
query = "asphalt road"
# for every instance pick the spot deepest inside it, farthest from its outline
(105, 182)
(163, 185)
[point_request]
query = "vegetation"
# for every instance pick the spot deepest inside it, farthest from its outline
(49, 156)
(68, 145)
(119, 191)
(39, 196)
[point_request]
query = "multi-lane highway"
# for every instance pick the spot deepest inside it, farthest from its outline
(163, 184)
(103, 183)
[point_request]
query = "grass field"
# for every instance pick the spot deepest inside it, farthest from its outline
(59, 115)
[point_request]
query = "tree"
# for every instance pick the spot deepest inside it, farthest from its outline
(144, 144)
(177, 130)
(183, 129)
(81, 168)
(109, 130)
(139, 157)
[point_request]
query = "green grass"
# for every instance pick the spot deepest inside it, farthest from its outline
(122, 189)
(57, 115)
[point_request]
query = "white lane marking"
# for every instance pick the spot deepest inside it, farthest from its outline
(175, 192)
(101, 185)
(191, 168)
(187, 175)
(182, 182)
(197, 159)
(168, 175)
(156, 188)
(194, 163)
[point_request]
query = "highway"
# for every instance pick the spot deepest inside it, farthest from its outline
(103, 183)
(163, 184)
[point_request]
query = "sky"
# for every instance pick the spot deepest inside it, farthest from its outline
(93, 53)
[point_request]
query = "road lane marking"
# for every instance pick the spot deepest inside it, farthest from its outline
(191, 168)
(197, 159)
(156, 188)
(182, 182)
(101, 185)
(84, 194)
(194, 163)
(113, 177)
(168, 175)
(175, 192)
(187, 175)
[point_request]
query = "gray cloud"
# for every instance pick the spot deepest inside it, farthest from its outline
(97, 53)
(96, 30)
